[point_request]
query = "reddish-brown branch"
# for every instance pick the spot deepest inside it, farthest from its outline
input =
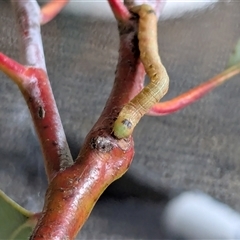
(74, 189)
(27, 15)
(39, 98)
(36, 89)
(73, 192)
(191, 96)
(33, 82)
(51, 10)
(119, 10)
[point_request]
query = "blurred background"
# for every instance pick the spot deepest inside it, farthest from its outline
(197, 148)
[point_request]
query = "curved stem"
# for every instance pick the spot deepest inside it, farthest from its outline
(12, 68)
(119, 10)
(51, 9)
(191, 96)
(34, 84)
(73, 193)
(36, 90)
(27, 16)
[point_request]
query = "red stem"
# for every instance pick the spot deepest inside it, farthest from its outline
(119, 10)
(12, 68)
(27, 16)
(35, 87)
(191, 96)
(39, 98)
(72, 193)
(51, 10)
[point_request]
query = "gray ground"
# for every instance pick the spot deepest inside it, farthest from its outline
(195, 148)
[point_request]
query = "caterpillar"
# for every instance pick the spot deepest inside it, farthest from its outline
(132, 112)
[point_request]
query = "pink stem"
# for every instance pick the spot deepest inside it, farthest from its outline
(103, 158)
(119, 10)
(39, 98)
(12, 68)
(51, 9)
(36, 89)
(187, 98)
(28, 15)
(34, 84)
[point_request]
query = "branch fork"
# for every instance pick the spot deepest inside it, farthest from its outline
(74, 187)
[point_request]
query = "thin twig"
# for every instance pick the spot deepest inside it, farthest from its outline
(34, 84)
(191, 96)
(28, 20)
(119, 10)
(51, 10)
(12, 68)
(73, 193)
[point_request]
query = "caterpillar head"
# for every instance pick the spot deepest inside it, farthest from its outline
(122, 128)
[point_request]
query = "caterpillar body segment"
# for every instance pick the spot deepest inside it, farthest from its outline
(159, 81)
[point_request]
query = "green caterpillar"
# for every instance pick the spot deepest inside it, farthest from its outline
(159, 80)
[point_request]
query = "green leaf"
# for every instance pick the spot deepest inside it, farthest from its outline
(235, 56)
(15, 222)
